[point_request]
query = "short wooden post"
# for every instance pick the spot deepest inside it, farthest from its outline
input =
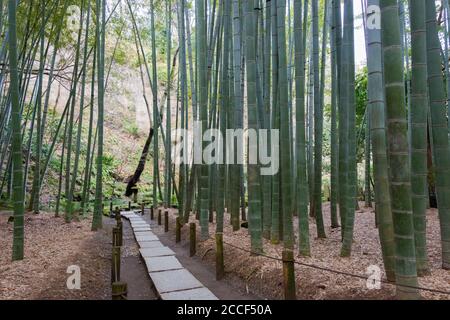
(192, 239)
(178, 230)
(115, 237)
(152, 216)
(115, 269)
(120, 235)
(166, 221)
(159, 217)
(288, 275)
(117, 215)
(220, 267)
(142, 208)
(119, 291)
(129, 205)
(110, 207)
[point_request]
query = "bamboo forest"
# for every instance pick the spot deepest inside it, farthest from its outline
(224, 150)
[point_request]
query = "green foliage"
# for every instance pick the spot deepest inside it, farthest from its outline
(121, 56)
(131, 128)
(361, 95)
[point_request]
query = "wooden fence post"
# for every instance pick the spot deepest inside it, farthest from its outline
(192, 240)
(178, 230)
(119, 291)
(288, 275)
(115, 268)
(166, 221)
(220, 267)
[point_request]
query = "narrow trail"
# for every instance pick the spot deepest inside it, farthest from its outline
(133, 270)
(223, 289)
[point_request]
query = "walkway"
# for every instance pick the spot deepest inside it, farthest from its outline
(171, 280)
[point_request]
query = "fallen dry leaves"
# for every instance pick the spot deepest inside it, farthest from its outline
(51, 245)
(263, 276)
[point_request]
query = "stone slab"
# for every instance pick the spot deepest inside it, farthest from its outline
(140, 225)
(175, 280)
(136, 223)
(150, 244)
(157, 264)
(142, 229)
(156, 252)
(191, 294)
(128, 213)
(146, 233)
(146, 236)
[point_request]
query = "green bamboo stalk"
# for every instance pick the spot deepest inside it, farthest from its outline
(156, 121)
(61, 166)
(88, 165)
(378, 136)
(168, 165)
(98, 209)
(285, 166)
(80, 114)
(334, 143)
(202, 71)
(300, 144)
(418, 111)
(34, 203)
(440, 145)
(237, 98)
(254, 186)
(400, 179)
(68, 189)
(16, 148)
(275, 233)
(319, 86)
(267, 180)
(343, 122)
(348, 44)
(184, 103)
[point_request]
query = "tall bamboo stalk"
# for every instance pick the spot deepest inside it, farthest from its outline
(301, 182)
(418, 111)
(379, 146)
(98, 210)
(254, 186)
(439, 132)
(400, 178)
(285, 166)
(16, 149)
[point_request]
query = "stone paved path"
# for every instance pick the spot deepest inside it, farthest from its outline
(171, 280)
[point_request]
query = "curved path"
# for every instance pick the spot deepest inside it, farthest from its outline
(170, 279)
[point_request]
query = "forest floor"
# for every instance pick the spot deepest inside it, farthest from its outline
(262, 276)
(51, 246)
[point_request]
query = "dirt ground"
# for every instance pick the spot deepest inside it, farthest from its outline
(263, 277)
(51, 246)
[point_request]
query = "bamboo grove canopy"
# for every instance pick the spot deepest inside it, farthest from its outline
(277, 65)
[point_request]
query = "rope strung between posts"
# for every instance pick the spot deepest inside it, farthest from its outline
(348, 274)
(383, 280)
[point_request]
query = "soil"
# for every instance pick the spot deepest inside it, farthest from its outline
(51, 245)
(260, 276)
(133, 269)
